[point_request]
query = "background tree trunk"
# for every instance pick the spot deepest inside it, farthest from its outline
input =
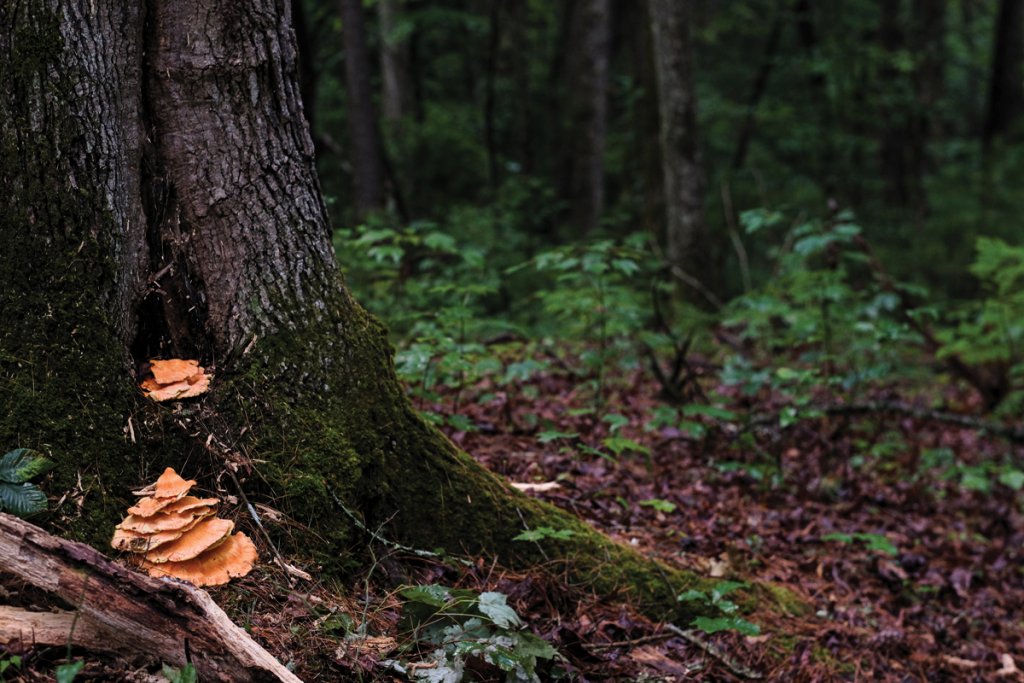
(364, 142)
(588, 97)
(685, 231)
(230, 211)
(396, 89)
(1006, 89)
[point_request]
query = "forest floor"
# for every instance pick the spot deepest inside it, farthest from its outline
(899, 535)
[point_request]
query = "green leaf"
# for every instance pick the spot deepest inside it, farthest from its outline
(723, 588)
(1013, 479)
(554, 435)
(21, 499)
(715, 624)
(66, 673)
(714, 412)
(619, 445)
(659, 505)
(532, 646)
(693, 596)
(186, 674)
(23, 464)
(878, 542)
(431, 594)
(492, 604)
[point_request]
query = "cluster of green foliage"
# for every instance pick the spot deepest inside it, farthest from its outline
(18, 495)
(461, 625)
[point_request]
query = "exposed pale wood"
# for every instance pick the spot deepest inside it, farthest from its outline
(53, 628)
(143, 614)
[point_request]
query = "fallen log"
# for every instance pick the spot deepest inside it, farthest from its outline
(166, 618)
(26, 628)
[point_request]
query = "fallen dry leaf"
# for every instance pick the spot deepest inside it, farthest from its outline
(540, 488)
(1009, 667)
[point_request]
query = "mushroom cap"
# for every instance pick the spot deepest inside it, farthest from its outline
(175, 379)
(173, 370)
(232, 558)
(132, 542)
(147, 507)
(194, 542)
(178, 521)
(171, 485)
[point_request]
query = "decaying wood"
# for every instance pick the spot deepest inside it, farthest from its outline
(144, 615)
(54, 628)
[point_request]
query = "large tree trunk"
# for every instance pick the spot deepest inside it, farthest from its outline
(686, 241)
(161, 196)
(364, 143)
(1006, 89)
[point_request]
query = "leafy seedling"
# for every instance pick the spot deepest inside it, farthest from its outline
(715, 598)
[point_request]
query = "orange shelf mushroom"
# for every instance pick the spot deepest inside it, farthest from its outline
(174, 534)
(173, 379)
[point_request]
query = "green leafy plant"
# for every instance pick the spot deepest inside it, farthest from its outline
(8, 662)
(66, 673)
(17, 495)
(873, 542)
(990, 332)
(596, 297)
(184, 674)
(716, 598)
(460, 625)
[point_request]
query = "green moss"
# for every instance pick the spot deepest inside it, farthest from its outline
(781, 599)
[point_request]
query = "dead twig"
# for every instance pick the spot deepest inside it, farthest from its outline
(1010, 433)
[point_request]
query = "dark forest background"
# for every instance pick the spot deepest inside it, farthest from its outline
(642, 176)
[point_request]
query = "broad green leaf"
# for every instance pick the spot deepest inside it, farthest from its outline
(715, 624)
(715, 412)
(430, 594)
(66, 673)
(1013, 479)
(186, 674)
(554, 435)
(492, 604)
(693, 596)
(23, 464)
(659, 505)
(619, 445)
(532, 646)
(21, 499)
(723, 588)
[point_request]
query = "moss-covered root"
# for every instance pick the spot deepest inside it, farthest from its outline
(412, 484)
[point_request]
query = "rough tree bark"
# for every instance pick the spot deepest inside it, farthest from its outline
(686, 240)
(161, 196)
(364, 142)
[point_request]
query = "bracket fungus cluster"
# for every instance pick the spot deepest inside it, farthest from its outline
(171, 533)
(173, 379)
